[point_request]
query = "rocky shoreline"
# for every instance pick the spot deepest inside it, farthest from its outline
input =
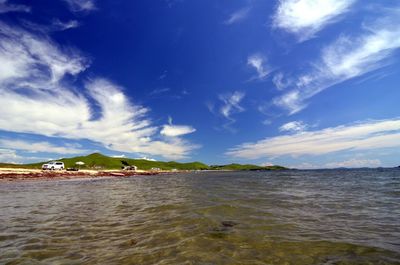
(29, 174)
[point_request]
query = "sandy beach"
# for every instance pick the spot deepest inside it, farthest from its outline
(22, 174)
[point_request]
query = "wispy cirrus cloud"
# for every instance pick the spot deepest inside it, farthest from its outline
(55, 25)
(60, 25)
(368, 135)
(22, 52)
(346, 58)
(293, 126)
(6, 7)
(304, 18)
(42, 146)
(35, 91)
(280, 82)
(159, 91)
(238, 16)
(81, 5)
(229, 104)
(257, 61)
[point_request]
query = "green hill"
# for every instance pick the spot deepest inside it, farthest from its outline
(245, 167)
(100, 161)
(8, 165)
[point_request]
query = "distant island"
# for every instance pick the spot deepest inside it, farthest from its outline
(97, 161)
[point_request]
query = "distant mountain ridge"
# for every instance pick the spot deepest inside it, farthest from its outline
(100, 161)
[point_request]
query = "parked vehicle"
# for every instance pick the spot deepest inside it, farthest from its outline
(53, 165)
(134, 168)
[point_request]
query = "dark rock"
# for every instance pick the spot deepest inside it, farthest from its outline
(133, 242)
(228, 223)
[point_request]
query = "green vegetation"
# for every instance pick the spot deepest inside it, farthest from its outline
(245, 167)
(13, 165)
(99, 161)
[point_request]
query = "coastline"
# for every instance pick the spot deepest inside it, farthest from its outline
(22, 174)
(11, 174)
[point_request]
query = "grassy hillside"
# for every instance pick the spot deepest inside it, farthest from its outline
(8, 165)
(245, 167)
(99, 161)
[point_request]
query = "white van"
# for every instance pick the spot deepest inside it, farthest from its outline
(53, 165)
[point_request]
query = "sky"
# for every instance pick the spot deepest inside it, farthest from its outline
(298, 83)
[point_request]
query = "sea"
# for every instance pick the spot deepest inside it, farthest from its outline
(339, 216)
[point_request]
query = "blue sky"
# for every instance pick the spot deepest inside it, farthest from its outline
(300, 83)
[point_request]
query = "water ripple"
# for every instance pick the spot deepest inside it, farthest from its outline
(291, 217)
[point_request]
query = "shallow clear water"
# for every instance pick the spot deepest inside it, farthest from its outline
(287, 217)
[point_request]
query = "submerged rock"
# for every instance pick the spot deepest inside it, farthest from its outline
(223, 230)
(228, 223)
(133, 242)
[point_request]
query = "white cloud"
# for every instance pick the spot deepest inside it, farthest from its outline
(267, 164)
(5, 7)
(60, 25)
(355, 163)
(81, 5)
(361, 136)
(231, 104)
(176, 130)
(280, 82)
(169, 120)
(292, 101)
(40, 101)
(258, 63)
(22, 53)
(228, 106)
(171, 130)
(56, 25)
(346, 58)
(145, 158)
(238, 16)
(9, 156)
(267, 122)
(293, 126)
(306, 17)
(43, 146)
(119, 156)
